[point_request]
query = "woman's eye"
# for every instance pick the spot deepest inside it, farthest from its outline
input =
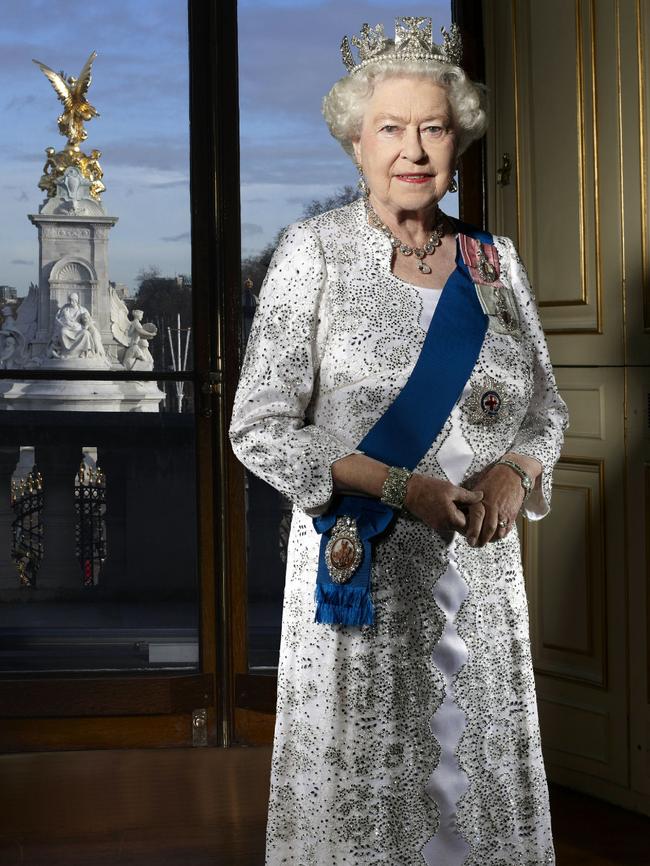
(389, 127)
(434, 130)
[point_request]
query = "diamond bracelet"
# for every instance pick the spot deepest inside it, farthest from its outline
(393, 491)
(526, 480)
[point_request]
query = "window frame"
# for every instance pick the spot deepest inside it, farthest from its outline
(254, 695)
(44, 711)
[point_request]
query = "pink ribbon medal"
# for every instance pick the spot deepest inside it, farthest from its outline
(482, 261)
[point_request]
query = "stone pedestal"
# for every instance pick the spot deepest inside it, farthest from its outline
(81, 396)
(66, 396)
(73, 257)
(74, 320)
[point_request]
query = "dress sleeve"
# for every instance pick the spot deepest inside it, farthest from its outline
(541, 433)
(269, 431)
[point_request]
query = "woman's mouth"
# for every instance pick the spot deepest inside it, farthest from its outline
(414, 178)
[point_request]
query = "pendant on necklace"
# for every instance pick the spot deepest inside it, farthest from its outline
(420, 254)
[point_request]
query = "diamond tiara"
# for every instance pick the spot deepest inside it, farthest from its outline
(413, 41)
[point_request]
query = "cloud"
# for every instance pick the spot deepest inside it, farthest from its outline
(183, 236)
(165, 153)
(140, 88)
(22, 197)
(293, 163)
(249, 229)
(280, 38)
(169, 184)
(22, 261)
(18, 102)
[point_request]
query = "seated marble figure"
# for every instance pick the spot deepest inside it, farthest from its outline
(74, 333)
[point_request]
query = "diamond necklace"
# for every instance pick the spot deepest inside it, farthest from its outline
(419, 252)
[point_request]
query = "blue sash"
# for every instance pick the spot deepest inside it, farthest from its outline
(405, 432)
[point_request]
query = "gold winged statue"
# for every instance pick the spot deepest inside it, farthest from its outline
(76, 111)
(72, 93)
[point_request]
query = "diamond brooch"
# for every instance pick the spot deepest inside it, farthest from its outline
(488, 402)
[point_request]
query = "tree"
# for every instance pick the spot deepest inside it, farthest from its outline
(343, 196)
(254, 267)
(162, 299)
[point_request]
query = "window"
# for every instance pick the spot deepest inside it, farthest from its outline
(111, 565)
(291, 168)
(98, 537)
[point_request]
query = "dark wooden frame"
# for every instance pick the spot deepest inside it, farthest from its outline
(51, 711)
(468, 14)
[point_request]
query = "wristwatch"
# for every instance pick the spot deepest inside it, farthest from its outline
(526, 480)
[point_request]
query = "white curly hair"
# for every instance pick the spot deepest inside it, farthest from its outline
(345, 104)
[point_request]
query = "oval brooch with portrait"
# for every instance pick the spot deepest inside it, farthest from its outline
(344, 551)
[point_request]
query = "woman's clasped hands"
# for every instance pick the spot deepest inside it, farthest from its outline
(496, 495)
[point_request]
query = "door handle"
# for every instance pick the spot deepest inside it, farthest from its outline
(210, 387)
(503, 173)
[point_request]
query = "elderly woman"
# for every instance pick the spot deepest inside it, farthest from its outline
(397, 387)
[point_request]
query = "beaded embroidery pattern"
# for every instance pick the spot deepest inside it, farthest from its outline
(335, 337)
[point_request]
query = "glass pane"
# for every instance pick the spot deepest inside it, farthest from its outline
(98, 561)
(95, 242)
(291, 168)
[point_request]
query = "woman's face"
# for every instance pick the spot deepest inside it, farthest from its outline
(407, 146)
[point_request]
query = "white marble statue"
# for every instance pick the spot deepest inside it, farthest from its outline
(12, 342)
(72, 186)
(74, 333)
(72, 195)
(132, 333)
(138, 349)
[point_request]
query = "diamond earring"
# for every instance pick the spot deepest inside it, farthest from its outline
(361, 183)
(453, 186)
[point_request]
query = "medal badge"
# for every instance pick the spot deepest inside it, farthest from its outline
(504, 312)
(488, 402)
(497, 302)
(486, 270)
(344, 551)
(495, 298)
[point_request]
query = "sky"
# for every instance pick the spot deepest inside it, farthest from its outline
(289, 58)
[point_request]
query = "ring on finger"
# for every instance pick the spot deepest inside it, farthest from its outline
(502, 523)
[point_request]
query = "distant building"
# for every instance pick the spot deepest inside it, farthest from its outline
(122, 291)
(8, 293)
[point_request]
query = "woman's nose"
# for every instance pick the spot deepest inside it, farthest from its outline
(412, 145)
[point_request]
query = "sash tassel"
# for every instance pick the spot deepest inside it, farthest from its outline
(346, 605)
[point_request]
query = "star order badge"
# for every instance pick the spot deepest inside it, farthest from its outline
(488, 402)
(344, 550)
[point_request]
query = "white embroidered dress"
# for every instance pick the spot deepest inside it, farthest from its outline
(415, 741)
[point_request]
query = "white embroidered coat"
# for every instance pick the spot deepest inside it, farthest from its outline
(415, 741)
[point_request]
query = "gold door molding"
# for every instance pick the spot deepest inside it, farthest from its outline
(557, 160)
(577, 587)
(555, 108)
(643, 40)
(568, 576)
